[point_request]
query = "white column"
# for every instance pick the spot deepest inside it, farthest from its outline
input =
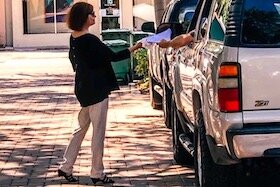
(3, 23)
(126, 17)
(9, 23)
(96, 29)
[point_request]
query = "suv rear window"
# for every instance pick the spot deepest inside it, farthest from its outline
(261, 22)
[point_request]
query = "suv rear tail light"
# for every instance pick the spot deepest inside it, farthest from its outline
(229, 88)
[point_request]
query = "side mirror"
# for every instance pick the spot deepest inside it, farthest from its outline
(148, 27)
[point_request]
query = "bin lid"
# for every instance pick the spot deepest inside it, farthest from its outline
(141, 33)
(115, 42)
(115, 31)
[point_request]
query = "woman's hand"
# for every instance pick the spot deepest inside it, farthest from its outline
(135, 47)
(138, 45)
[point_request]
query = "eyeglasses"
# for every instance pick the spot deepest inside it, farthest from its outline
(92, 13)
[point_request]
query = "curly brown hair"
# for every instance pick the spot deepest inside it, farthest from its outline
(78, 14)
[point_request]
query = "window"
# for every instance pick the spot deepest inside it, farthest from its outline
(216, 30)
(203, 22)
(180, 9)
(110, 12)
(261, 22)
(219, 20)
(196, 15)
(47, 16)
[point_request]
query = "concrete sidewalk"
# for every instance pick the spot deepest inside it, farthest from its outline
(38, 114)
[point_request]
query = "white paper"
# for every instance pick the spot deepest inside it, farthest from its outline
(165, 35)
(277, 6)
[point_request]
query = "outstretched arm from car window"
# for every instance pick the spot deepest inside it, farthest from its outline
(178, 41)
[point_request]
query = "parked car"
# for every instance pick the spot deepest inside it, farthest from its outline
(226, 105)
(176, 16)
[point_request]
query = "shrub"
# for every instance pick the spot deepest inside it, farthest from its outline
(142, 69)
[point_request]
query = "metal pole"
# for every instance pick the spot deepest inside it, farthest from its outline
(54, 14)
(131, 57)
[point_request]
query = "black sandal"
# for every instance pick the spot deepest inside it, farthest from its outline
(105, 180)
(68, 177)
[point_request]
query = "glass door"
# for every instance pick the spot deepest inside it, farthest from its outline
(47, 16)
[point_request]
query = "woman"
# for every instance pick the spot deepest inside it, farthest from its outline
(95, 78)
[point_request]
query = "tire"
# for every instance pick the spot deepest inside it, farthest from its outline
(208, 173)
(166, 106)
(155, 98)
(181, 156)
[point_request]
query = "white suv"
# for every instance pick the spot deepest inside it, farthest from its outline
(226, 99)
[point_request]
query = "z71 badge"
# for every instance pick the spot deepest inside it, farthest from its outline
(260, 103)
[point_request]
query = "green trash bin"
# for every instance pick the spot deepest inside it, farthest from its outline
(121, 68)
(116, 34)
(138, 35)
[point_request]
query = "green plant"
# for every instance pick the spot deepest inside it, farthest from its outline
(142, 70)
(141, 67)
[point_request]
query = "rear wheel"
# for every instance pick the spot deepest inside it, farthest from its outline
(181, 156)
(208, 173)
(155, 98)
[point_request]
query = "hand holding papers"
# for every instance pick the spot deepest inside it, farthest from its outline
(165, 35)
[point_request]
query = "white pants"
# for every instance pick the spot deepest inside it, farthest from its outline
(97, 115)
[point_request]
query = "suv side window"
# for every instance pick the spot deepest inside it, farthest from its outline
(182, 12)
(180, 9)
(203, 22)
(195, 16)
(219, 20)
(261, 22)
(186, 17)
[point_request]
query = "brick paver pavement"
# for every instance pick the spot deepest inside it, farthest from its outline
(38, 113)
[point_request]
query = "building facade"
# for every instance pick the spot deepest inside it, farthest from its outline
(153, 9)
(41, 24)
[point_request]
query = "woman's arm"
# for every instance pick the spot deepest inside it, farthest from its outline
(135, 47)
(110, 55)
(121, 54)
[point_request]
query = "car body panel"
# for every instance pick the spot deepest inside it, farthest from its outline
(196, 78)
(254, 145)
(258, 66)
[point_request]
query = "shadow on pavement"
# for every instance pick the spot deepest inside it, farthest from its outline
(38, 112)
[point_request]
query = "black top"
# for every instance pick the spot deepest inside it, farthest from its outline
(91, 59)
